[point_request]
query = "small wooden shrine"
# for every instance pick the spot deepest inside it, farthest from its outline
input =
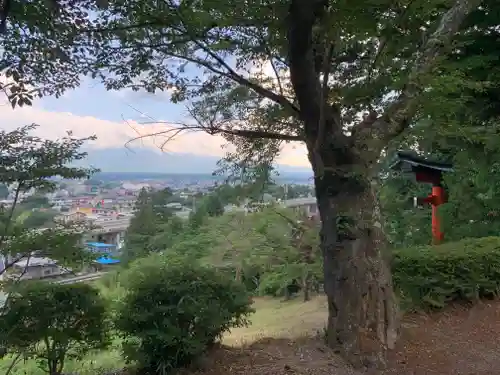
(429, 172)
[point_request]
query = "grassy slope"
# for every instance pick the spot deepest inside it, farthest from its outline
(273, 318)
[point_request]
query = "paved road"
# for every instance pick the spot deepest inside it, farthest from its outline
(82, 278)
(72, 280)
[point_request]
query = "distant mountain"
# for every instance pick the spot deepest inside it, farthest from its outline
(144, 160)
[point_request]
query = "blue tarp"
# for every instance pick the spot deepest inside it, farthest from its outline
(104, 260)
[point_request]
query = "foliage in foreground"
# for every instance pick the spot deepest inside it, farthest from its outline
(432, 277)
(175, 309)
(31, 164)
(159, 296)
(52, 323)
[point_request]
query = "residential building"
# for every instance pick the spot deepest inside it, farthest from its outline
(70, 217)
(37, 268)
(108, 255)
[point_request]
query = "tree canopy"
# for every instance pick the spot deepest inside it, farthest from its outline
(372, 47)
(27, 164)
(52, 323)
(459, 124)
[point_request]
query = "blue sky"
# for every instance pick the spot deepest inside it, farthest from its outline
(92, 99)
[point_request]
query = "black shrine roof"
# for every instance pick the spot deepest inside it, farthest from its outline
(407, 160)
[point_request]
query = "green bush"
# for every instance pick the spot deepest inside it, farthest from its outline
(249, 275)
(432, 276)
(53, 323)
(174, 309)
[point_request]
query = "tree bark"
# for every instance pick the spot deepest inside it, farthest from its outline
(363, 313)
(306, 286)
(362, 309)
(287, 295)
(307, 250)
(363, 319)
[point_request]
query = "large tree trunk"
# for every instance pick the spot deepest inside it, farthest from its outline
(306, 286)
(363, 312)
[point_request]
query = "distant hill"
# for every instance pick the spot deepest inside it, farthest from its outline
(283, 177)
(149, 161)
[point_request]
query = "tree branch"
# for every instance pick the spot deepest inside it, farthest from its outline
(9, 265)
(383, 40)
(14, 362)
(170, 134)
(398, 115)
(231, 73)
(273, 65)
(10, 217)
(326, 64)
(255, 134)
(301, 18)
(245, 82)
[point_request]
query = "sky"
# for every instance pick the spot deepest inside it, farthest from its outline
(91, 110)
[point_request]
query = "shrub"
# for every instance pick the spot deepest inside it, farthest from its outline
(433, 276)
(52, 323)
(174, 309)
(274, 283)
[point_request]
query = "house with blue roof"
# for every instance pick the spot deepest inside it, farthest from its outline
(108, 254)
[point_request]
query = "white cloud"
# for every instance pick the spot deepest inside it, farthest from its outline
(116, 134)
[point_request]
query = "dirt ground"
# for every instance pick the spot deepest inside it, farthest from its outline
(461, 341)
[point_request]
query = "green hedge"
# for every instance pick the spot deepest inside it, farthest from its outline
(431, 277)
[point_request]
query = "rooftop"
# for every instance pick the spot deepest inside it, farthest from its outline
(407, 159)
(34, 262)
(104, 260)
(100, 244)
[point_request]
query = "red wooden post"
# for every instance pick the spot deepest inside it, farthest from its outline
(436, 199)
(439, 198)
